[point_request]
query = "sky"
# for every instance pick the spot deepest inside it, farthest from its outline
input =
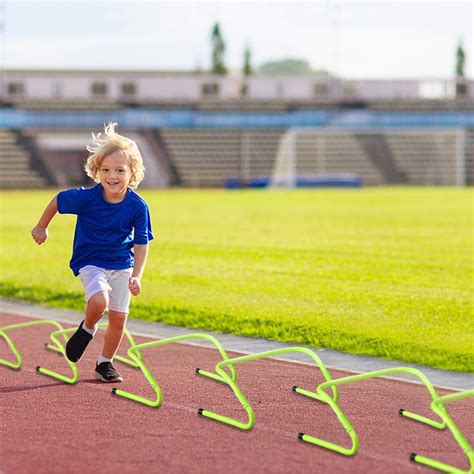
(354, 40)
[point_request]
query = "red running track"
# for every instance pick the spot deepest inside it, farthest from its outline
(51, 427)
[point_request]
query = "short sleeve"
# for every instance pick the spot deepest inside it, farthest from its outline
(142, 232)
(69, 201)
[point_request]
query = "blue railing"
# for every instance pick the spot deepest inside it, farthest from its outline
(156, 118)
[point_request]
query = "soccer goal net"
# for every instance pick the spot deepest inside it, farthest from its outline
(319, 157)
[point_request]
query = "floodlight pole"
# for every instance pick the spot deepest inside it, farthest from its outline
(292, 158)
(3, 91)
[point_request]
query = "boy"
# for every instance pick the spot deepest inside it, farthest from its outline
(102, 251)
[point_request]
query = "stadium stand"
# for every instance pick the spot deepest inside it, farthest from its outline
(277, 105)
(425, 157)
(62, 153)
(16, 167)
(200, 129)
(207, 157)
(469, 150)
(211, 156)
(206, 142)
(61, 104)
(379, 153)
(421, 105)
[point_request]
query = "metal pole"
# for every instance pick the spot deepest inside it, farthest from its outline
(245, 155)
(292, 159)
(461, 158)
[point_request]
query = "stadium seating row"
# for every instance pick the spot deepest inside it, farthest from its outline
(241, 104)
(211, 156)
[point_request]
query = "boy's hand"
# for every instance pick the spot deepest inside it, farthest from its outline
(134, 285)
(39, 234)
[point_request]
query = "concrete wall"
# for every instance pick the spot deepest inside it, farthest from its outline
(187, 86)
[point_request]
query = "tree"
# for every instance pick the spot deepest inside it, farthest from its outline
(286, 67)
(247, 69)
(461, 85)
(218, 49)
(460, 59)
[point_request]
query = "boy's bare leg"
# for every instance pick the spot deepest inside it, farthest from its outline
(96, 307)
(114, 333)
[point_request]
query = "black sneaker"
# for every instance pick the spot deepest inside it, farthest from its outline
(77, 344)
(107, 372)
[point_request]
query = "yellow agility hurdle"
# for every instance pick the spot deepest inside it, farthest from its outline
(60, 348)
(59, 339)
(133, 351)
(19, 360)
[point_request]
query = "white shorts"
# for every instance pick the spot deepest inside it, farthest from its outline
(115, 282)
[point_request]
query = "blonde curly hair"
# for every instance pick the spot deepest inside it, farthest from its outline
(104, 144)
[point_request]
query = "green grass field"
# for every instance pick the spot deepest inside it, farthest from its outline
(382, 271)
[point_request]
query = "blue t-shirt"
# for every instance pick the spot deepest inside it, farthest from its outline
(103, 235)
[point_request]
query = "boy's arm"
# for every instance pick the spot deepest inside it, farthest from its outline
(40, 230)
(140, 257)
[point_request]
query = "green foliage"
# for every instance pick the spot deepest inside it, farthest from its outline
(247, 69)
(461, 83)
(218, 50)
(285, 67)
(380, 271)
(460, 60)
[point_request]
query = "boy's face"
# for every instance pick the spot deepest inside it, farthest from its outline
(115, 174)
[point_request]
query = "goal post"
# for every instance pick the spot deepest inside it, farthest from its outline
(319, 157)
(284, 170)
(301, 161)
